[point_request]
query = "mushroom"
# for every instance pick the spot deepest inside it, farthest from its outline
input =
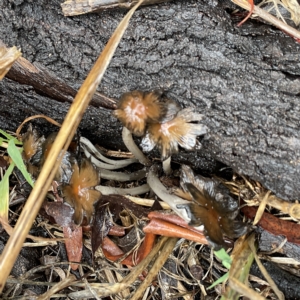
(213, 207)
(136, 110)
(80, 192)
(178, 131)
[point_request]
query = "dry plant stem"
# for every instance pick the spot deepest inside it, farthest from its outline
(261, 208)
(105, 290)
(158, 264)
(9, 231)
(79, 7)
(62, 141)
(133, 148)
(50, 120)
(92, 149)
(167, 166)
(147, 202)
(120, 176)
(244, 290)
(59, 286)
(107, 190)
(293, 209)
(269, 18)
(263, 270)
(249, 14)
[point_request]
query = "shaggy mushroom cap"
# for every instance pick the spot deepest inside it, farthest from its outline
(173, 133)
(137, 108)
(211, 206)
(80, 192)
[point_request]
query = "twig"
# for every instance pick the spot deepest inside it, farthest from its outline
(269, 18)
(158, 264)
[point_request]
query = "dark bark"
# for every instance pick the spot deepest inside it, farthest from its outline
(246, 81)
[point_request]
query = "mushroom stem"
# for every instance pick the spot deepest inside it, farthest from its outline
(133, 148)
(106, 190)
(99, 164)
(90, 148)
(167, 166)
(158, 188)
(121, 176)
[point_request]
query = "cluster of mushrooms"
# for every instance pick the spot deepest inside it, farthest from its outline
(163, 124)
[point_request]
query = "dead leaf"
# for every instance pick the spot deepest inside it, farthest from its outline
(73, 244)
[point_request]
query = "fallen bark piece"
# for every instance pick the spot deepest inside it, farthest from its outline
(47, 83)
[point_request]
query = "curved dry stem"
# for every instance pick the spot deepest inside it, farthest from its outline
(87, 145)
(121, 176)
(107, 190)
(133, 148)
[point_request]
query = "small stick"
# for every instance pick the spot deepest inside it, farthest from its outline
(158, 264)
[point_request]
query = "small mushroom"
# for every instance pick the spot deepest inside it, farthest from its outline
(135, 110)
(213, 207)
(178, 131)
(80, 192)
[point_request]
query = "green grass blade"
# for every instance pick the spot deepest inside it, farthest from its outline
(220, 280)
(4, 192)
(15, 155)
(10, 137)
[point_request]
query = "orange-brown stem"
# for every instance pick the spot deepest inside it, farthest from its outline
(161, 227)
(174, 219)
(146, 247)
(249, 13)
(113, 252)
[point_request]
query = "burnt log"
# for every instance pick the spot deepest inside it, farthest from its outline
(246, 81)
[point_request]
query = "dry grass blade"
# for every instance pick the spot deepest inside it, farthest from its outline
(50, 120)
(147, 202)
(269, 18)
(158, 264)
(263, 270)
(261, 207)
(242, 259)
(244, 290)
(64, 137)
(59, 286)
(105, 290)
(7, 58)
